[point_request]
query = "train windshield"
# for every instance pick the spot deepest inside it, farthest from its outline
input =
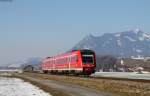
(87, 59)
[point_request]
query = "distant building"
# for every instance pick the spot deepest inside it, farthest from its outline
(28, 68)
(141, 58)
(138, 57)
(146, 58)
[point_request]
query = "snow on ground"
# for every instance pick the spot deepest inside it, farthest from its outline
(130, 75)
(17, 87)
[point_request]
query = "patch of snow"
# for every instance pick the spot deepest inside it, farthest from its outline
(138, 57)
(119, 42)
(131, 75)
(117, 35)
(146, 36)
(136, 30)
(131, 39)
(139, 51)
(17, 64)
(141, 38)
(17, 87)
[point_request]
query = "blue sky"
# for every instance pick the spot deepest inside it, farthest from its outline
(40, 28)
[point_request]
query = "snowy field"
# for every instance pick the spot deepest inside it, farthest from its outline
(17, 87)
(130, 75)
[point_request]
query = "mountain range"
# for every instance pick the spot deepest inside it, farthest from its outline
(35, 62)
(131, 43)
(121, 44)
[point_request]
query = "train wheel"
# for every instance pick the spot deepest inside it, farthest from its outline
(45, 71)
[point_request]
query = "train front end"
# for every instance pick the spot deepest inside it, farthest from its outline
(88, 61)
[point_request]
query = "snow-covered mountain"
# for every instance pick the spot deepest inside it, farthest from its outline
(122, 44)
(30, 61)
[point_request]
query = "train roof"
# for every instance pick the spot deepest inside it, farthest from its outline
(82, 50)
(69, 52)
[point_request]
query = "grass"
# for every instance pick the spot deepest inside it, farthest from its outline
(119, 87)
(123, 88)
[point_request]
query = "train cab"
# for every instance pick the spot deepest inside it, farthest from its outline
(88, 61)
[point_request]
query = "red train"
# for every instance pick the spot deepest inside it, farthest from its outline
(74, 62)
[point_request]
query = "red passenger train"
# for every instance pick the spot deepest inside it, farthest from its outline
(74, 62)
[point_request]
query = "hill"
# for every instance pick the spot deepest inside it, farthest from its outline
(121, 44)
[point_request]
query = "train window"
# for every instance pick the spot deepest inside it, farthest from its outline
(66, 60)
(74, 59)
(87, 59)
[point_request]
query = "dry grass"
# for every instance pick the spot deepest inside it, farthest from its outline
(123, 88)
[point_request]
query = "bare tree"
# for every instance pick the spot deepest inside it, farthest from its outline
(106, 62)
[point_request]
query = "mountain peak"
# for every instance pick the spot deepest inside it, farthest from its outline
(137, 30)
(90, 35)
